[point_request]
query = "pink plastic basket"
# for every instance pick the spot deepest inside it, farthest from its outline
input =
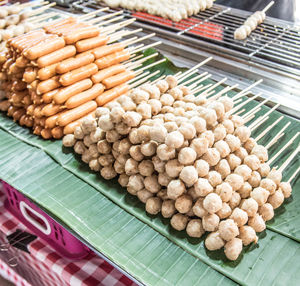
(43, 225)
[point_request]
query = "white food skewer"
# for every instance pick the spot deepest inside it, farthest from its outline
(278, 136)
(92, 14)
(243, 92)
(253, 111)
(268, 6)
(243, 103)
(261, 135)
(289, 160)
(223, 91)
(294, 175)
(283, 148)
(104, 17)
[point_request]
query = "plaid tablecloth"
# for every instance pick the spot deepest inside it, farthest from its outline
(43, 266)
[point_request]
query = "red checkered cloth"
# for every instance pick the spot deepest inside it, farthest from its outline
(44, 267)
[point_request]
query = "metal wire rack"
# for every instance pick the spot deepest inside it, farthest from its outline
(274, 45)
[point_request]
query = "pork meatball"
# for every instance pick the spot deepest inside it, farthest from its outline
(228, 229)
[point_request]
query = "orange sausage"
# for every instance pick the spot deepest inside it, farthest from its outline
(111, 94)
(88, 44)
(14, 69)
(118, 79)
(112, 59)
(14, 42)
(58, 23)
(38, 111)
(47, 72)
(48, 96)
(27, 100)
(18, 96)
(23, 47)
(44, 48)
(51, 109)
(46, 133)
(64, 93)
(48, 85)
(36, 99)
(19, 85)
(81, 34)
(37, 130)
(22, 120)
(11, 110)
(21, 62)
(106, 50)
(75, 113)
(51, 121)
(18, 113)
(70, 128)
(66, 29)
(56, 56)
(4, 105)
(84, 96)
(74, 63)
(105, 73)
(78, 74)
(29, 75)
(57, 132)
(30, 109)
(28, 121)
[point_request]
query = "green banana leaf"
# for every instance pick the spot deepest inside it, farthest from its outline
(56, 191)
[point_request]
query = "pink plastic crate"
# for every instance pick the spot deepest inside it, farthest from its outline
(43, 225)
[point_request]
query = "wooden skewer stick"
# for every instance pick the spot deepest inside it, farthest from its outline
(223, 91)
(109, 21)
(250, 118)
(200, 88)
(158, 79)
(261, 135)
(42, 17)
(112, 28)
(42, 9)
(205, 92)
(92, 14)
(236, 108)
(194, 78)
(260, 122)
(144, 78)
(242, 92)
(253, 111)
(133, 58)
(133, 65)
(245, 94)
(256, 122)
(278, 136)
(151, 65)
(251, 114)
(239, 112)
(268, 6)
(183, 75)
(146, 47)
(104, 17)
(32, 4)
(195, 84)
(186, 76)
(290, 142)
(290, 159)
(136, 40)
(294, 175)
(118, 35)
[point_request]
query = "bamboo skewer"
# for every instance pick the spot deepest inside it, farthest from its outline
(158, 79)
(283, 148)
(194, 78)
(187, 75)
(242, 93)
(147, 47)
(223, 91)
(194, 86)
(294, 175)
(109, 21)
(252, 111)
(289, 160)
(243, 103)
(151, 65)
(261, 135)
(193, 68)
(137, 63)
(118, 26)
(104, 17)
(257, 122)
(239, 112)
(134, 83)
(278, 136)
(92, 14)
(213, 86)
(121, 34)
(268, 6)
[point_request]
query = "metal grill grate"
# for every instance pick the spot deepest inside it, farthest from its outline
(273, 45)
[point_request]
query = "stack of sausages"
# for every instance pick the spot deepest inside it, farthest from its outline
(55, 76)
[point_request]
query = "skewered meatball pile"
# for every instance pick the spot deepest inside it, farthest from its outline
(191, 162)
